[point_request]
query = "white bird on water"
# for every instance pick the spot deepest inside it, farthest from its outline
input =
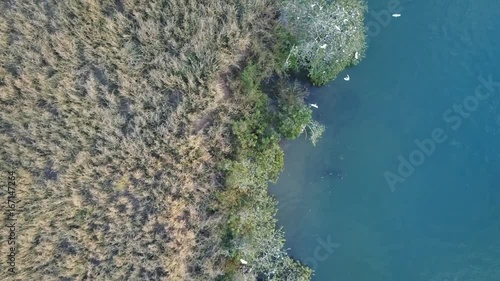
(356, 55)
(347, 78)
(243, 261)
(396, 15)
(323, 46)
(314, 105)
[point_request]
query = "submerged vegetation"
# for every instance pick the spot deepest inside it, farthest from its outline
(144, 133)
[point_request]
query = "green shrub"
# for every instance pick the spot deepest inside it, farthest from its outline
(293, 121)
(251, 227)
(287, 41)
(293, 114)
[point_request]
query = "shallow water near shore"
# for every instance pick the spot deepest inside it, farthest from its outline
(438, 220)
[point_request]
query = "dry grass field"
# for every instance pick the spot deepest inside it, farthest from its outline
(115, 117)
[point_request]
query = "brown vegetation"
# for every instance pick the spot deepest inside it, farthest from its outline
(115, 116)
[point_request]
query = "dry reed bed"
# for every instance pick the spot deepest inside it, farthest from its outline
(99, 106)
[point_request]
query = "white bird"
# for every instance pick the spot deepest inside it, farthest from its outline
(347, 78)
(356, 55)
(338, 28)
(396, 15)
(323, 46)
(314, 105)
(243, 261)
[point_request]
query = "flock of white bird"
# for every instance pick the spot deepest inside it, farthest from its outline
(356, 56)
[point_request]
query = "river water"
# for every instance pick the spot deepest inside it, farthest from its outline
(405, 183)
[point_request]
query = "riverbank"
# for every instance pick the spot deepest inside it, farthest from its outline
(142, 140)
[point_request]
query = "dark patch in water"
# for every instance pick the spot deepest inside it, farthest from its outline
(335, 173)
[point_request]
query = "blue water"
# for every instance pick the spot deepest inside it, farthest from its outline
(441, 222)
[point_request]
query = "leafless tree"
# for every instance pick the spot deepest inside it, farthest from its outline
(331, 34)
